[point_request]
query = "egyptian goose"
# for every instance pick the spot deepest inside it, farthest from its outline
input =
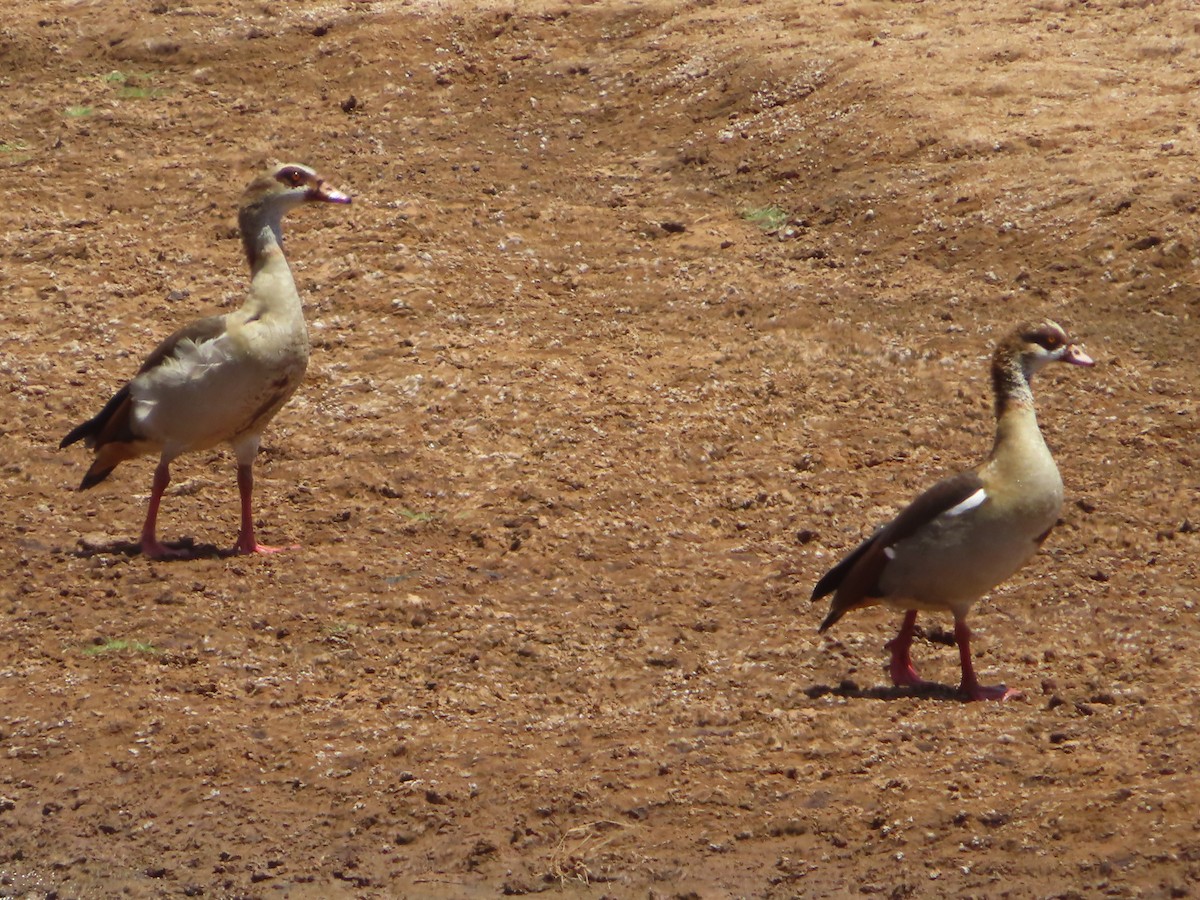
(968, 532)
(222, 378)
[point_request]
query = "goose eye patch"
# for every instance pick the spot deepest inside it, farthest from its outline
(293, 177)
(1048, 340)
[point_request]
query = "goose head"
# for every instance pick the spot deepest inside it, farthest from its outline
(1035, 345)
(284, 186)
(274, 192)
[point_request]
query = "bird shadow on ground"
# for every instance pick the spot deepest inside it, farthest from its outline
(926, 691)
(849, 689)
(187, 547)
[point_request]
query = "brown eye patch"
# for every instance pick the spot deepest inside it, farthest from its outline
(1047, 338)
(291, 176)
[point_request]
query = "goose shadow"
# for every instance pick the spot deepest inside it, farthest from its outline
(928, 690)
(186, 546)
(849, 689)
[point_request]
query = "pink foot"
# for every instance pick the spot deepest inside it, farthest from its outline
(248, 548)
(903, 674)
(246, 544)
(995, 692)
(900, 667)
(970, 686)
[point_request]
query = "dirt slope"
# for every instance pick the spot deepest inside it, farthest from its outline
(643, 314)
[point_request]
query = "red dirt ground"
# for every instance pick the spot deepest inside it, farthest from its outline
(643, 315)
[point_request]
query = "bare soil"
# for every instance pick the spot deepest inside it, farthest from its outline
(643, 314)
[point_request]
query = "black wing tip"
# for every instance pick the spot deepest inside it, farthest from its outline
(832, 580)
(824, 587)
(88, 431)
(92, 478)
(830, 620)
(78, 433)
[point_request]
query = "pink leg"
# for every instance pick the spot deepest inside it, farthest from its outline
(150, 545)
(970, 684)
(246, 543)
(901, 667)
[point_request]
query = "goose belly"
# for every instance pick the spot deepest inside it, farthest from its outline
(206, 398)
(951, 564)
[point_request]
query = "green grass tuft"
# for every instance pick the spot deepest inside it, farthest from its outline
(416, 516)
(121, 645)
(767, 218)
(133, 86)
(78, 112)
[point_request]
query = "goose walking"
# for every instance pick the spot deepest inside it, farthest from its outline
(220, 379)
(968, 532)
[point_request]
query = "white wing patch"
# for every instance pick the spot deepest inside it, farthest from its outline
(970, 503)
(193, 360)
(192, 395)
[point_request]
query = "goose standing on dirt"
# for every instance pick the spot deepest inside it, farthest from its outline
(222, 378)
(969, 532)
